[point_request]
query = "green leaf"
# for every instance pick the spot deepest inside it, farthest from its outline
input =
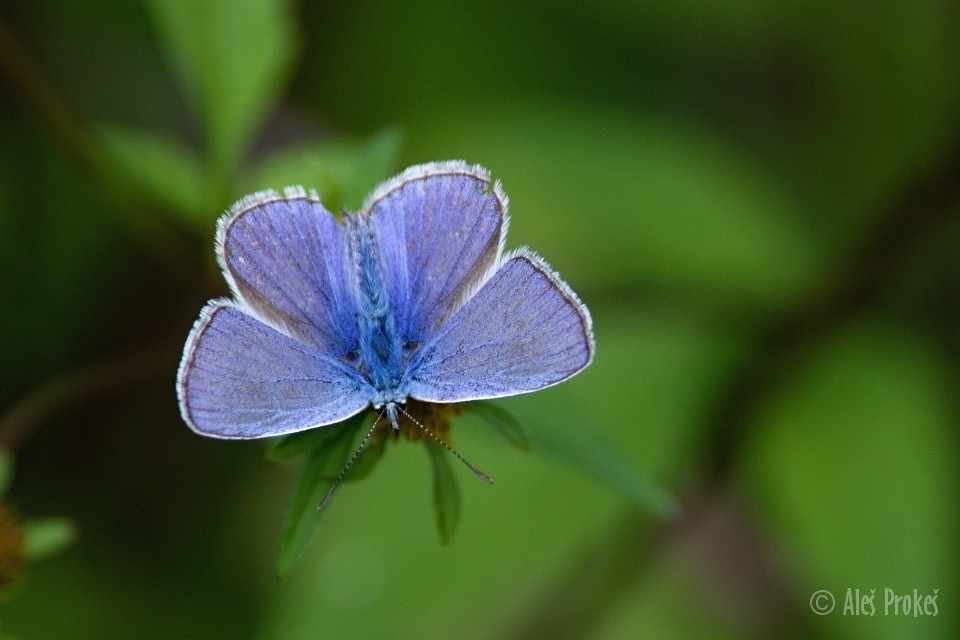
(595, 456)
(672, 207)
(342, 172)
(233, 58)
(504, 422)
(854, 470)
(315, 479)
(6, 471)
(297, 444)
(446, 492)
(46, 536)
(366, 461)
(161, 169)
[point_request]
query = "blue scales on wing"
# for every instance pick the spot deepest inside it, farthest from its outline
(286, 259)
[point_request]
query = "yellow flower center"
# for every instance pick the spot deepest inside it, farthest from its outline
(435, 417)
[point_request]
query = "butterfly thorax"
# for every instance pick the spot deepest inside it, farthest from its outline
(380, 345)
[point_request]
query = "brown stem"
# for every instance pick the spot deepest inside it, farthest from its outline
(99, 378)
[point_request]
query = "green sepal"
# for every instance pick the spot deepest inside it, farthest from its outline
(320, 468)
(44, 537)
(502, 421)
(446, 492)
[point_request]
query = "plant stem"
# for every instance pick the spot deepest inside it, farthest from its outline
(52, 112)
(109, 375)
(25, 76)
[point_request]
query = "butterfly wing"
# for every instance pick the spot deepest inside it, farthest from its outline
(241, 379)
(523, 330)
(286, 259)
(440, 227)
(276, 360)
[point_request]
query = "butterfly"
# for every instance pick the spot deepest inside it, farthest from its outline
(411, 298)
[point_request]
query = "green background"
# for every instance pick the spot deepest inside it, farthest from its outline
(759, 202)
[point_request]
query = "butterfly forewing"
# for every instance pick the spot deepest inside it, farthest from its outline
(286, 260)
(440, 229)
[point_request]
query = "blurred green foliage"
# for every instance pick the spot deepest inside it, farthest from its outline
(24, 542)
(756, 200)
(323, 463)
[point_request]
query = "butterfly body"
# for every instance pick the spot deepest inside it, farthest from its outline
(381, 351)
(382, 357)
(410, 298)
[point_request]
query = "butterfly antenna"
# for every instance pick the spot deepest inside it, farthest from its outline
(446, 446)
(346, 468)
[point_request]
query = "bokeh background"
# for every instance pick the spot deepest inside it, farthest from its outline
(759, 202)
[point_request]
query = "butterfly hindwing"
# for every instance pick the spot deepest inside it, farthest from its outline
(240, 378)
(523, 330)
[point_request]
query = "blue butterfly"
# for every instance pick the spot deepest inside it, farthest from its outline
(411, 298)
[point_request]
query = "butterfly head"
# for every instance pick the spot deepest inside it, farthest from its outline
(409, 418)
